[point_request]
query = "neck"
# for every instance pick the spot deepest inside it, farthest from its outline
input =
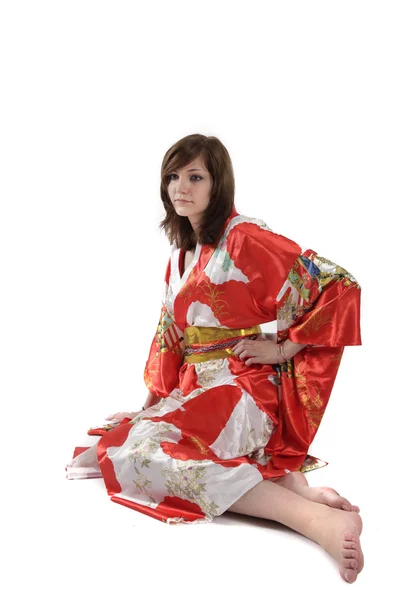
(195, 226)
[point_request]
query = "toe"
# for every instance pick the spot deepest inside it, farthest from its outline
(350, 537)
(350, 575)
(350, 554)
(350, 563)
(361, 563)
(345, 502)
(350, 545)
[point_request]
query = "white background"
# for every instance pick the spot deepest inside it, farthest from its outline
(305, 96)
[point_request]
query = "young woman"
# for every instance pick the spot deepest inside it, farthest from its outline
(231, 412)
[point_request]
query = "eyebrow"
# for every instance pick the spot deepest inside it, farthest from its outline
(195, 170)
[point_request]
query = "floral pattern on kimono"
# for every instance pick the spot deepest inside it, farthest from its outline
(221, 427)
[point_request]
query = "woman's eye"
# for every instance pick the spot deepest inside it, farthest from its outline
(171, 177)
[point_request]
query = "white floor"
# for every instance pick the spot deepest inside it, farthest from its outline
(66, 539)
(71, 541)
(119, 552)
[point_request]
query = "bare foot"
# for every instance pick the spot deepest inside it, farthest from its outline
(297, 482)
(328, 496)
(342, 541)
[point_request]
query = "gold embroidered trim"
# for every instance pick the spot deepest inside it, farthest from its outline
(203, 335)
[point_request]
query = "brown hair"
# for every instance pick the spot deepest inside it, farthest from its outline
(218, 162)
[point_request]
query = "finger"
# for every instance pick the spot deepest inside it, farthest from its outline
(271, 337)
(245, 347)
(242, 344)
(253, 360)
(116, 417)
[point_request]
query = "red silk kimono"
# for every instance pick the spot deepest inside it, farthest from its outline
(221, 427)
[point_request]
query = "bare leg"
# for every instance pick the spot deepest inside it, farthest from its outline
(337, 531)
(297, 482)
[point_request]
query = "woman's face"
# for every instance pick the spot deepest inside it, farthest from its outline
(189, 190)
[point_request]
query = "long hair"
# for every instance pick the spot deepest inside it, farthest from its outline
(218, 162)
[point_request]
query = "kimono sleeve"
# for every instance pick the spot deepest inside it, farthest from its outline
(161, 373)
(315, 302)
(318, 305)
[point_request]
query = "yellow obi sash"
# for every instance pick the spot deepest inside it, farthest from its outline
(208, 343)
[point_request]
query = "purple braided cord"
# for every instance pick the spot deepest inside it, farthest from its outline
(218, 345)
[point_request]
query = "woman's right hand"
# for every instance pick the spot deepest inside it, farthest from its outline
(117, 417)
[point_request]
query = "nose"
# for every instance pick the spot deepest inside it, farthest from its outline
(180, 188)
